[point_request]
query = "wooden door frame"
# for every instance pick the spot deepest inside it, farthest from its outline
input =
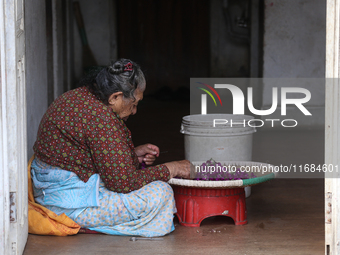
(13, 129)
(332, 129)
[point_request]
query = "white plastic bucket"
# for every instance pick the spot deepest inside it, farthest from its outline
(229, 139)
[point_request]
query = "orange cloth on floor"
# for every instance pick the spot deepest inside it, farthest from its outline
(42, 221)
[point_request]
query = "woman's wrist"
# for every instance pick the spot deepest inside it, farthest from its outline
(172, 169)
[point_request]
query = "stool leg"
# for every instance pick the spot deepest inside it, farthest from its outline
(241, 211)
(189, 209)
(187, 215)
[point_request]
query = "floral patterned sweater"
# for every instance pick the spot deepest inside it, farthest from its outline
(79, 133)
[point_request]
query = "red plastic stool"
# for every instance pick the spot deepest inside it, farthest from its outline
(196, 204)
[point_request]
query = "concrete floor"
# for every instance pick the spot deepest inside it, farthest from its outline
(285, 216)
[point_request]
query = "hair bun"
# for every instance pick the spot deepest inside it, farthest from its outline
(116, 68)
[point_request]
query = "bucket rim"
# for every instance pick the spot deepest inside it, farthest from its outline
(225, 134)
(187, 117)
(206, 127)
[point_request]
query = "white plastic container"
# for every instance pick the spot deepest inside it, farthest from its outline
(229, 140)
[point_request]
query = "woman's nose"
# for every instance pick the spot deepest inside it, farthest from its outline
(134, 111)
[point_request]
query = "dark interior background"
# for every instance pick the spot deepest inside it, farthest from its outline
(169, 39)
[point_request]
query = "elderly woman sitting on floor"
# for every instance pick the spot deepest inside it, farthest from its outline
(87, 167)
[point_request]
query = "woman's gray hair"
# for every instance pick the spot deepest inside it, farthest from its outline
(123, 75)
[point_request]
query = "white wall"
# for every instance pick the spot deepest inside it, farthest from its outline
(294, 47)
(294, 39)
(36, 72)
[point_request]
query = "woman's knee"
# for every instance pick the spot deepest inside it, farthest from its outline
(164, 187)
(161, 191)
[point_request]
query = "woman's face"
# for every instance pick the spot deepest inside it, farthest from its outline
(125, 107)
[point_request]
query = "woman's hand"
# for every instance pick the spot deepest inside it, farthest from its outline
(179, 168)
(147, 153)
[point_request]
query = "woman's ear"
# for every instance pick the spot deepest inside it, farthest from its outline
(115, 97)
